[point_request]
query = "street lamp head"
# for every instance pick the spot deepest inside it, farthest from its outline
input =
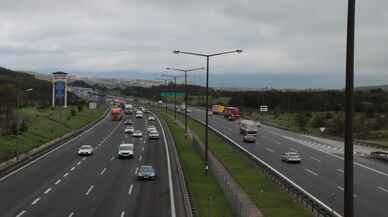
(176, 51)
(239, 51)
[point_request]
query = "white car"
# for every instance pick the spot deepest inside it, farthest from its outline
(291, 157)
(153, 134)
(151, 118)
(85, 150)
(139, 114)
(126, 150)
(129, 130)
(150, 128)
(137, 133)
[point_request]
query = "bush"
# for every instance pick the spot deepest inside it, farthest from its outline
(80, 108)
(73, 112)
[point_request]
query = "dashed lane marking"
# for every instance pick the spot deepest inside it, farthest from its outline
(89, 190)
(35, 201)
(47, 190)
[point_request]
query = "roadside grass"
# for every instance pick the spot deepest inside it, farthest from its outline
(203, 188)
(267, 196)
(43, 126)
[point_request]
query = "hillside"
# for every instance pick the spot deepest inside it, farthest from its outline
(374, 87)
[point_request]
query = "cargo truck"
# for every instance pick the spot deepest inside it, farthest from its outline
(232, 113)
(117, 114)
(218, 109)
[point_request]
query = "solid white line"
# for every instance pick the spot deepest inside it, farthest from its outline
(21, 213)
(136, 170)
(312, 172)
(71, 214)
(270, 150)
(66, 174)
(55, 149)
(122, 214)
(130, 189)
(340, 188)
(35, 201)
(316, 159)
(339, 170)
(57, 182)
(47, 191)
(172, 200)
(89, 190)
(103, 171)
(383, 189)
(73, 168)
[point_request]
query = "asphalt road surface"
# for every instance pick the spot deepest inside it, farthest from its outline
(65, 184)
(321, 172)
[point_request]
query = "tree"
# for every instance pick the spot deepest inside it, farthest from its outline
(301, 119)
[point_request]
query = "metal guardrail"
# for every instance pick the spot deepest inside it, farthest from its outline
(305, 198)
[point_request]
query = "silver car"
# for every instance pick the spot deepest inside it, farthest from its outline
(146, 172)
(85, 150)
(126, 150)
(249, 138)
(153, 134)
(291, 157)
(137, 133)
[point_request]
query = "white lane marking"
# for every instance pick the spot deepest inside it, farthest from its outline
(71, 214)
(171, 187)
(270, 150)
(140, 158)
(103, 171)
(73, 168)
(66, 174)
(137, 168)
(339, 170)
(57, 182)
(142, 149)
(47, 190)
(383, 189)
(122, 214)
(312, 172)
(89, 190)
(316, 159)
(35, 201)
(130, 189)
(21, 213)
(340, 188)
(79, 162)
(112, 158)
(55, 149)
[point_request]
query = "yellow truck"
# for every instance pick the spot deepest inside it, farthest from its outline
(218, 109)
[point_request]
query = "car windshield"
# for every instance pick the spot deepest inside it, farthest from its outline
(146, 169)
(125, 148)
(86, 147)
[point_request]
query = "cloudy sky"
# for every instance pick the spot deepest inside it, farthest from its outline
(288, 40)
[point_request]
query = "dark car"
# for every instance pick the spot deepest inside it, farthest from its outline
(146, 172)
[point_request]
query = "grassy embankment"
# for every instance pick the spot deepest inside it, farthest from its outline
(203, 188)
(267, 196)
(44, 126)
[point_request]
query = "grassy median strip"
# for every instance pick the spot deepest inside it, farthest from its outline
(208, 197)
(267, 196)
(45, 125)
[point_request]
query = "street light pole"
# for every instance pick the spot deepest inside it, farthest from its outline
(207, 96)
(186, 92)
(174, 77)
(348, 163)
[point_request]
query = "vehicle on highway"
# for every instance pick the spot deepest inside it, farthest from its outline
(151, 128)
(117, 114)
(258, 124)
(129, 130)
(151, 118)
(154, 134)
(128, 122)
(85, 150)
(137, 133)
(128, 109)
(249, 138)
(126, 151)
(209, 113)
(139, 114)
(232, 113)
(248, 127)
(146, 172)
(218, 109)
(291, 157)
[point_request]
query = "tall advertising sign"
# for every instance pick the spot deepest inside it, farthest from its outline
(59, 89)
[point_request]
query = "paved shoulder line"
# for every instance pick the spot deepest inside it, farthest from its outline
(172, 200)
(51, 151)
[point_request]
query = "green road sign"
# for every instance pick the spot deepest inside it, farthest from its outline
(172, 94)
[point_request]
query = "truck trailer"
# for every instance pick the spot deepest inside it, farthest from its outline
(117, 114)
(232, 113)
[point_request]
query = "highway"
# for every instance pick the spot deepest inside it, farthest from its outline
(65, 184)
(321, 171)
